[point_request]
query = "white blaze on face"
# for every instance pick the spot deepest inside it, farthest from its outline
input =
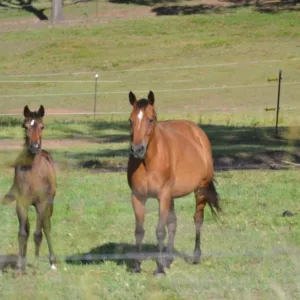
(32, 122)
(140, 117)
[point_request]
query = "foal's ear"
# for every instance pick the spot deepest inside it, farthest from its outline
(132, 98)
(41, 111)
(26, 111)
(151, 97)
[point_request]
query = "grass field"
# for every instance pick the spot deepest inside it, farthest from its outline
(161, 49)
(253, 253)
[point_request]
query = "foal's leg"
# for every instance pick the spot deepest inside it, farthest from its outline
(198, 219)
(38, 235)
(139, 211)
(164, 206)
(24, 230)
(47, 231)
(171, 225)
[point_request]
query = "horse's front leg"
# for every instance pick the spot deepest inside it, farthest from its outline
(164, 207)
(24, 228)
(138, 205)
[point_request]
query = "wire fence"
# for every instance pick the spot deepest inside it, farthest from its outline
(177, 100)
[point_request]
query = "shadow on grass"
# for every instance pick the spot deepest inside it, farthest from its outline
(233, 148)
(8, 261)
(119, 253)
(93, 130)
(253, 147)
(143, 2)
(225, 5)
(26, 5)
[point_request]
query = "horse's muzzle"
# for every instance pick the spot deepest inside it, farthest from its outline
(138, 151)
(35, 148)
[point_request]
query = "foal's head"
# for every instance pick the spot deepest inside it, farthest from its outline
(34, 125)
(142, 120)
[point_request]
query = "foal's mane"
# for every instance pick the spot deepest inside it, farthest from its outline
(33, 115)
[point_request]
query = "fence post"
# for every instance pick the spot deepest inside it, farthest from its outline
(278, 104)
(95, 97)
(97, 8)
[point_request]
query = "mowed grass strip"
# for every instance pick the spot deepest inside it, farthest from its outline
(167, 42)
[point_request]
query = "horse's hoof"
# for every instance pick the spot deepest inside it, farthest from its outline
(19, 273)
(137, 270)
(53, 267)
(159, 273)
(168, 263)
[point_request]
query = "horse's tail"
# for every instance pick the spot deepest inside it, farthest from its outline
(213, 198)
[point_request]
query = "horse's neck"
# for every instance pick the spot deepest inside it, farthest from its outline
(27, 158)
(153, 145)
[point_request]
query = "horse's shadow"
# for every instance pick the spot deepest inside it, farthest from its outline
(8, 261)
(120, 253)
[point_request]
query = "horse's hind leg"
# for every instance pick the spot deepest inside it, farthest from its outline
(200, 195)
(24, 230)
(164, 207)
(47, 231)
(171, 225)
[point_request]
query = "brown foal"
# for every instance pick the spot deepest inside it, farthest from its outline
(34, 184)
(168, 160)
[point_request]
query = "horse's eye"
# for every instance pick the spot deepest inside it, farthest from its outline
(42, 127)
(150, 120)
(130, 121)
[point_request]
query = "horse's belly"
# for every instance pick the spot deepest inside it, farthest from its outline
(147, 184)
(189, 177)
(184, 187)
(33, 189)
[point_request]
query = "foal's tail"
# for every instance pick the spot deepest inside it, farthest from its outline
(213, 198)
(10, 196)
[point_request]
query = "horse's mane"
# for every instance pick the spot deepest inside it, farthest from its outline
(143, 103)
(33, 115)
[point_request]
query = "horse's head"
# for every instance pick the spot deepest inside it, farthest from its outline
(142, 120)
(34, 125)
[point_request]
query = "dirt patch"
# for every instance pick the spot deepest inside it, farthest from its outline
(49, 144)
(49, 111)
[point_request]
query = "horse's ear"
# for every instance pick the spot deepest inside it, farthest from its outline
(132, 98)
(41, 111)
(26, 111)
(151, 98)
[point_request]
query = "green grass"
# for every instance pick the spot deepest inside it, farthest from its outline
(252, 255)
(109, 49)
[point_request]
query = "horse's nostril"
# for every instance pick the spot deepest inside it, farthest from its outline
(140, 149)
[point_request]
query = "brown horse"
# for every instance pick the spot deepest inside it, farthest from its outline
(34, 184)
(168, 160)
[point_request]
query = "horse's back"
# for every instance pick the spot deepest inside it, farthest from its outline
(188, 130)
